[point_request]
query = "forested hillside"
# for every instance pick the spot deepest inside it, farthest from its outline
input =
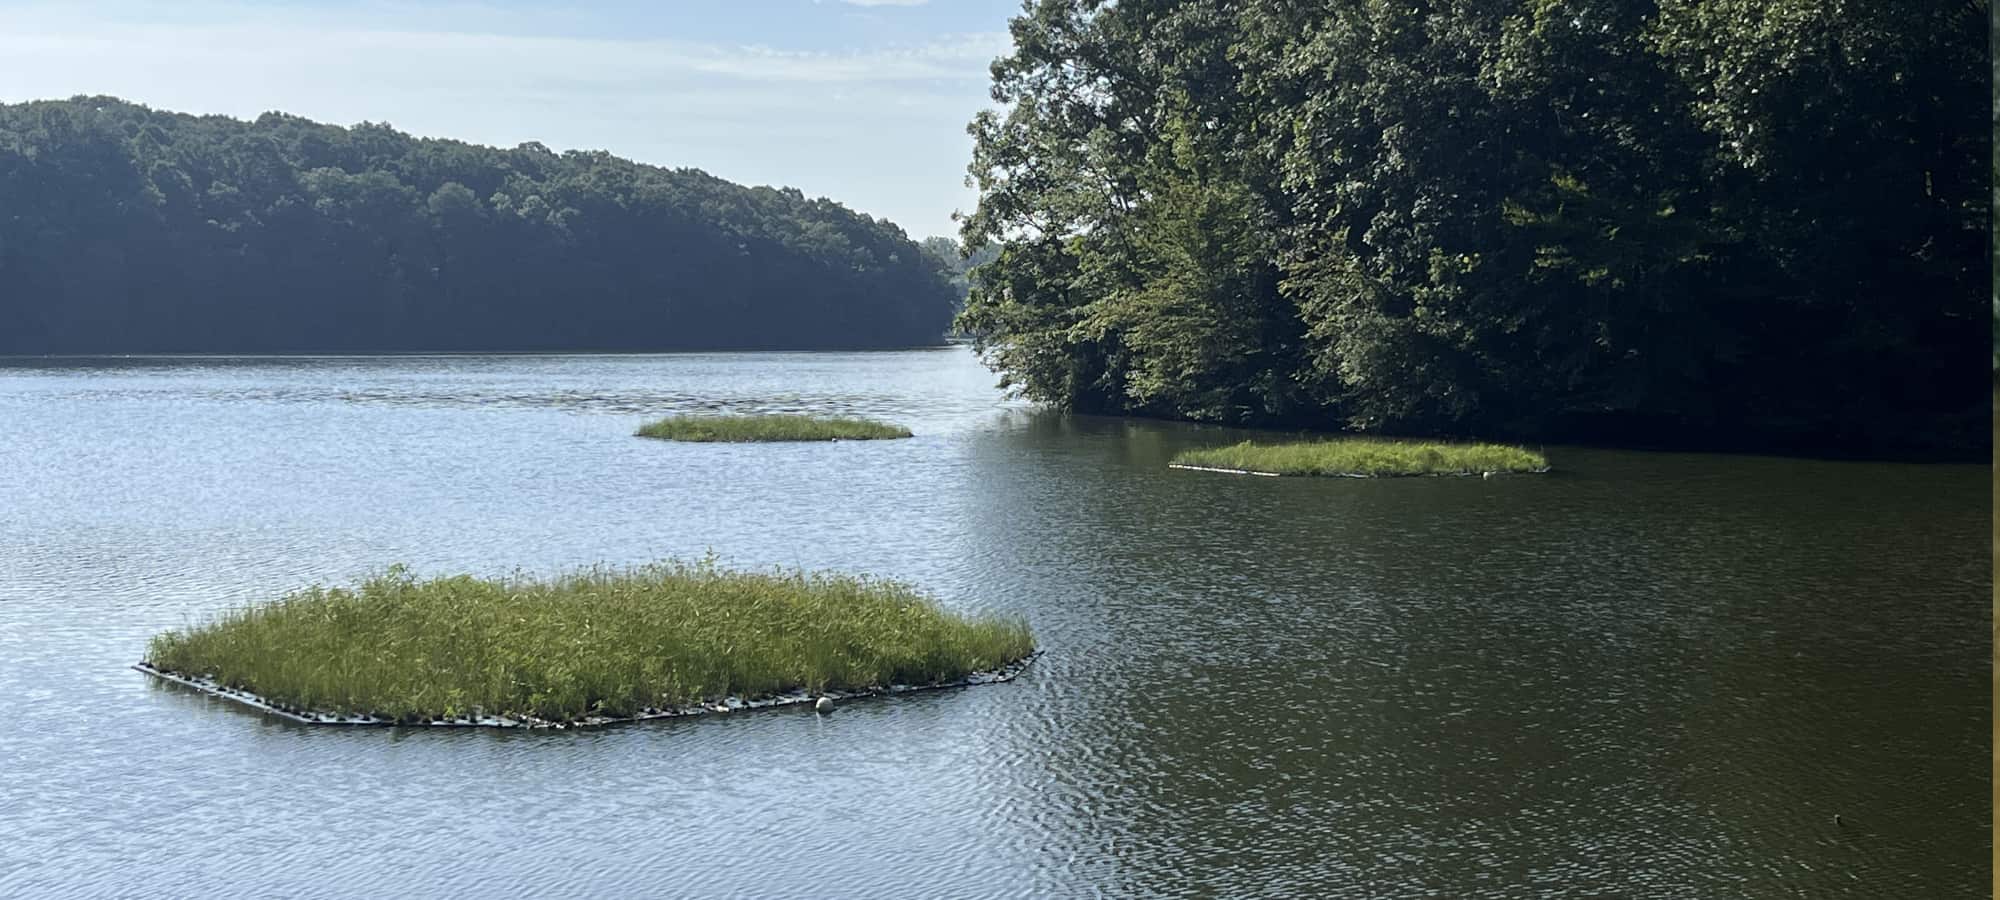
(124, 229)
(1719, 222)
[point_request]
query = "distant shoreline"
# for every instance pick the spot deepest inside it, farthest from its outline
(421, 354)
(285, 235)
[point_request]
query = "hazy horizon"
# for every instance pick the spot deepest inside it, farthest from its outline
(861, 101)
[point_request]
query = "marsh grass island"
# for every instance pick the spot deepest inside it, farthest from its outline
(770, 427)
(591, 647)
(1362, 458)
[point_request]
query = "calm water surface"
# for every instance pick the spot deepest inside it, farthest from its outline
(1646, 675)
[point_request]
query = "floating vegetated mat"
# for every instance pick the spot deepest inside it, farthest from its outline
(480, 719)
(770, 427)
(1363, 458)
(590, 648)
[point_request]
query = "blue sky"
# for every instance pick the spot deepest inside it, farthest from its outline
(864, 101)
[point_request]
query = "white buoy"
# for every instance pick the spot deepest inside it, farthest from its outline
(823, 705)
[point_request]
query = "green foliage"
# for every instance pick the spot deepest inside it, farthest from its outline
(1712, 220)
(599, 642)
(946, 252)
(132, 230)
(774, 427)
(958, 264)
(1366, 456)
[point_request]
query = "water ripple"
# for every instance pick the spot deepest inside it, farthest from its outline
(1645, 675)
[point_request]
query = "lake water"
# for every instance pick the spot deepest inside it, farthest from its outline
(1646, 674)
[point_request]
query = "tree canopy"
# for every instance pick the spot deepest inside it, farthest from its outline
(1702, 221)
(959, 264)
(125, 229)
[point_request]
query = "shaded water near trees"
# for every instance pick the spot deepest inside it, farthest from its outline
(1643, 674)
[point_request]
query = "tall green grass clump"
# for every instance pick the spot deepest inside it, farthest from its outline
(598, 642)
(771, 427)
(1366, 456)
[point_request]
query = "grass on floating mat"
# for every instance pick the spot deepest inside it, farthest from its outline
(1366, 456)
(601, 642)
(771, 427)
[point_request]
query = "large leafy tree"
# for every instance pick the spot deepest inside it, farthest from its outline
(1138, 270)
(1712, 220)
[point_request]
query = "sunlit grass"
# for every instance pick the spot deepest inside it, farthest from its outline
(598, 642)
(770, 427)
(1366, 456)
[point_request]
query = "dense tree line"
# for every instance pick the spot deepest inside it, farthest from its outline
(1704, 221)
(124, 229)
(958, 264)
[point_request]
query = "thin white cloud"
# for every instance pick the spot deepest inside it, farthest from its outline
(879, 128)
